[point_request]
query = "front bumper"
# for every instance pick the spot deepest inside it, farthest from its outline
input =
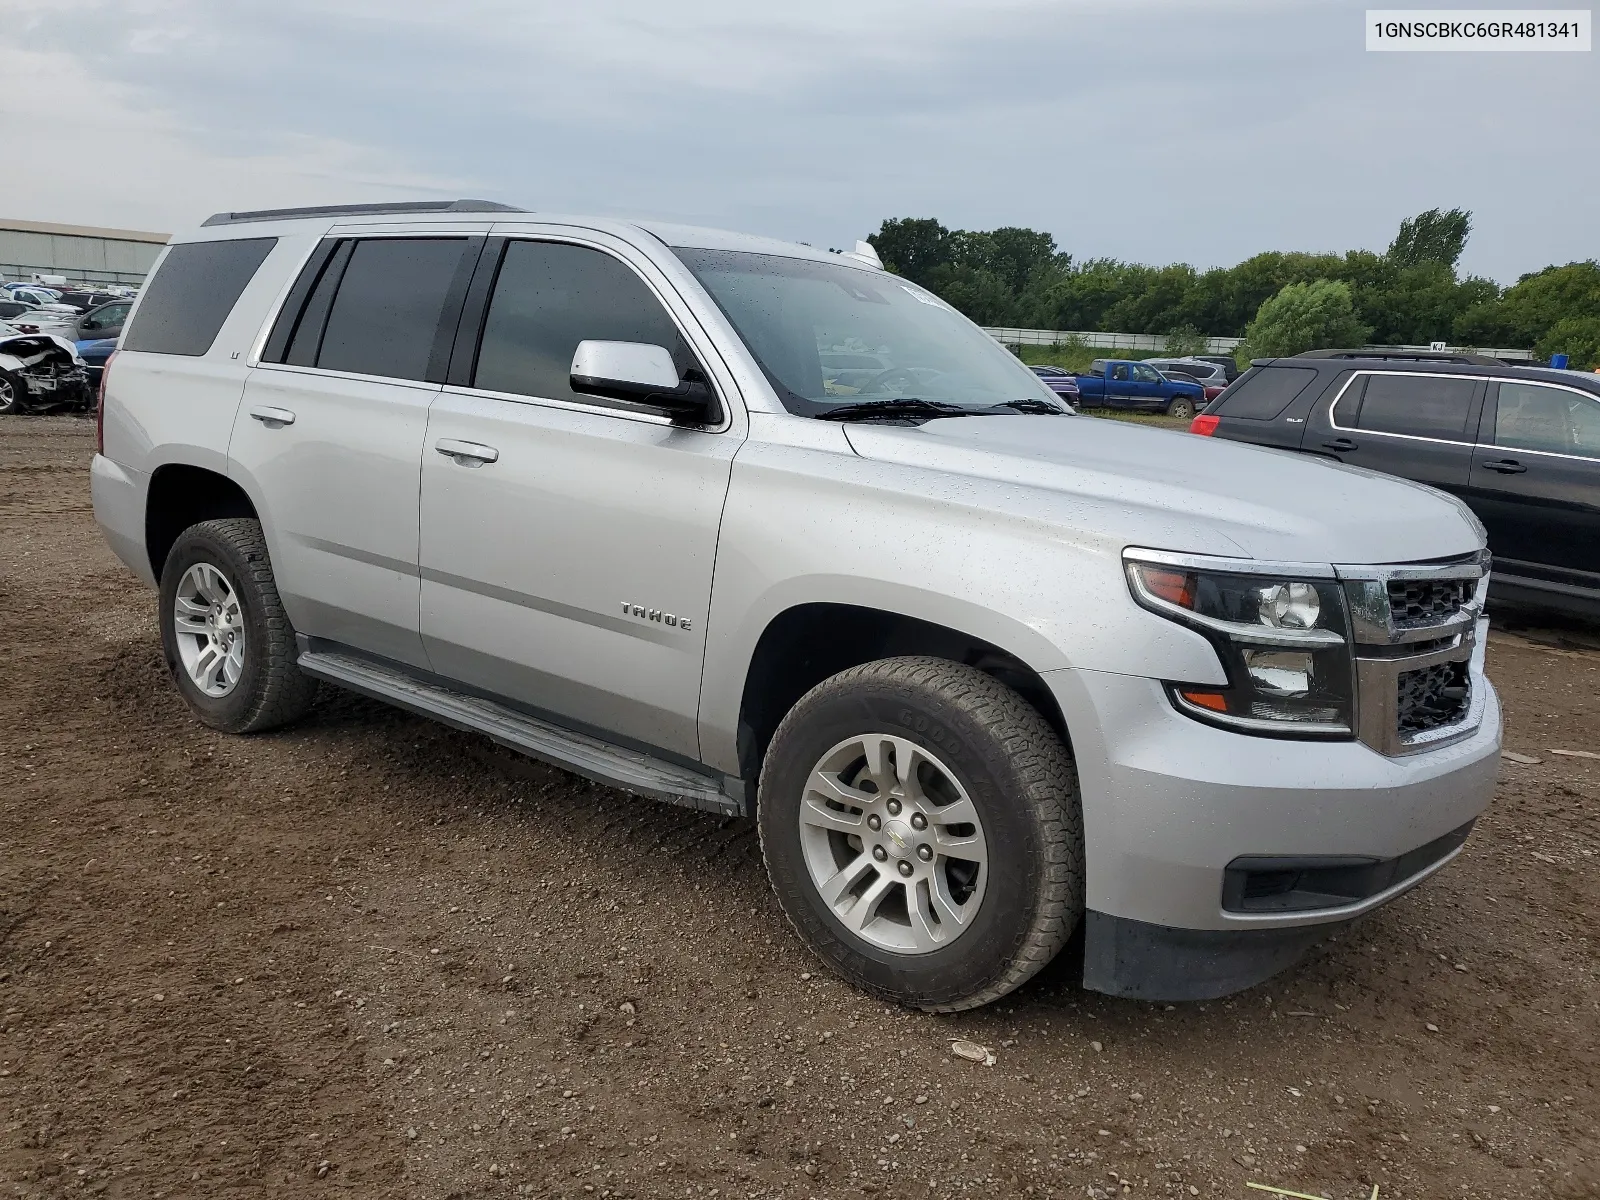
(1169, 803)
(49, 383)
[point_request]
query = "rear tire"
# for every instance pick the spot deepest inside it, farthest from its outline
(227, 641)
(1009, 882)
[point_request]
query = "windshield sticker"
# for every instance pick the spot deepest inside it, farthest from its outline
(923, 296)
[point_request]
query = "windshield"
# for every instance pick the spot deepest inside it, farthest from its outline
(833, 337)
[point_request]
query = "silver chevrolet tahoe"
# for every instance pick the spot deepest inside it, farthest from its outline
(768, 531)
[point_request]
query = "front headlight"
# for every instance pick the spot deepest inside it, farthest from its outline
(1283, 642)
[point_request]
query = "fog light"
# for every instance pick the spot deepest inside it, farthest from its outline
(1286, 674)
(1288, 606)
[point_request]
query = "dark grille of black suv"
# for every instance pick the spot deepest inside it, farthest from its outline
(1425, 601)
(1432, 696)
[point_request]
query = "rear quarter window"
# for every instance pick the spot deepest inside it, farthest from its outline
(1263, 394)
(190, 296)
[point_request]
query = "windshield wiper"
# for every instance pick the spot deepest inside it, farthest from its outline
(906, 406)
(1034, 406)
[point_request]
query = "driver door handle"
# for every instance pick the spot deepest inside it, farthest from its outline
(1339, 444)
(272, 418)
(1504, 466)
(466, 454)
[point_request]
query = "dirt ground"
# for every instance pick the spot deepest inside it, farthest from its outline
(370, 956)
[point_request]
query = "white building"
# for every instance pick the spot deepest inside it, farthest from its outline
(80, 253)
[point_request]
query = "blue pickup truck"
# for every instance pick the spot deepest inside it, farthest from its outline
(1115, 383)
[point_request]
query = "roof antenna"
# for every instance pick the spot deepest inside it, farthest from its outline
(865, 253)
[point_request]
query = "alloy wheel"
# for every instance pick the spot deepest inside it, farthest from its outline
(209, 625)
(893, 844)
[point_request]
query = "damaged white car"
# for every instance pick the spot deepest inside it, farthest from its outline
(40, 371)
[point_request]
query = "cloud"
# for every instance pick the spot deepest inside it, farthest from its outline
(1156, 130)
(88, 151)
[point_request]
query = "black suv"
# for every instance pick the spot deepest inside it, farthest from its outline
(1521, 446)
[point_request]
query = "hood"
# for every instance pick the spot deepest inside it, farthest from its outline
(28, 347)
(1171, 490)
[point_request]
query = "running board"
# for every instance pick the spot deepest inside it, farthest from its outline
(629, 770)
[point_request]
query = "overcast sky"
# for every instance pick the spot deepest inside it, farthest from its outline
(1151, 130)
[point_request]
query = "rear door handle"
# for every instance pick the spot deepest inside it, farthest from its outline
(1504, 466)
(272, 418)
(466, 454)
(1339, 444)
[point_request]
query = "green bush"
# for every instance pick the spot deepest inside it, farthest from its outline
(1576, 337)
(1305, 316)
(1186, 340)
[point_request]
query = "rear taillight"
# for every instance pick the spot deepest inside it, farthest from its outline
(1204, 425)
(100, 405)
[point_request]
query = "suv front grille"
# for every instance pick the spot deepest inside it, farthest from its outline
(1431, 697)
(1414, 602)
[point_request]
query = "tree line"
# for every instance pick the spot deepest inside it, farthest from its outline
(1279, 301)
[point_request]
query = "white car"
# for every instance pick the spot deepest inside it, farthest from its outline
(44, 300)
(40, 368)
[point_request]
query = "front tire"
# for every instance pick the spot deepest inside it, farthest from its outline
(921, 826)
(1182, 408)
(13, 394)
(227, 641)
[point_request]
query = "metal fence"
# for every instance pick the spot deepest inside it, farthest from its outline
(1157, 342)
(75, 276)
(1102, 341)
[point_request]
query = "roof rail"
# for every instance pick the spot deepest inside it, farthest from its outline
(1404, 354)
(360, 210)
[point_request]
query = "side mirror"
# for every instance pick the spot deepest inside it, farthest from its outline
(640, 373)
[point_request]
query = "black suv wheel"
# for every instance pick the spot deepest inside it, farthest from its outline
(922, 828)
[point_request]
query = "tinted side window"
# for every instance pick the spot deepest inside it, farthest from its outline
(547, 298)
(1531, 417)
(297, 334)
(1433, 406)
(188, 299)
(385, 316)
(1347, 410)
(1120, 371)
(1264, 393)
